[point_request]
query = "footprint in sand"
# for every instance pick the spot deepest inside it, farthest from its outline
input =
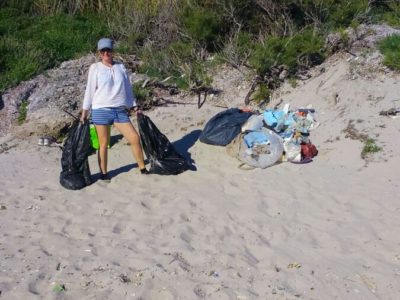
(249, 258)
(32, 285)
(117, 229)
(93, 249)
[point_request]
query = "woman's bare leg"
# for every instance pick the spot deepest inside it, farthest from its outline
(130, 133)
(103, 136)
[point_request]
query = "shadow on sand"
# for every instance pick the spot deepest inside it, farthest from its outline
(182, 146)
(114, 139)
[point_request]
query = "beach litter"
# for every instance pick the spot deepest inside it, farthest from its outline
(48, 141)
(163, 157)
(262, 139)
(213, 273)
(294, 265)
(124, 278)
(75, 172)
(390, 112)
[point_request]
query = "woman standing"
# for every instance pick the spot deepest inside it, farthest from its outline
(109, 96)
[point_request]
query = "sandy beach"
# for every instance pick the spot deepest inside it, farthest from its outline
(323, 230)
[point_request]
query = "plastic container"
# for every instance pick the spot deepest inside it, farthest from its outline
(266, 159)
(94, 140)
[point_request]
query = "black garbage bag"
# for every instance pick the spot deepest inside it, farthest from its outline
(224, 127)
(164, 160)
(75, 172)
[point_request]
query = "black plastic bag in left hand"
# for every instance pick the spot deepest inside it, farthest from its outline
(164, 159)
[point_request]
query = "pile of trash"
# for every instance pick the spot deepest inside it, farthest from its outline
(262, 139)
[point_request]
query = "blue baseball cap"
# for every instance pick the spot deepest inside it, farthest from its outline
(104, 43)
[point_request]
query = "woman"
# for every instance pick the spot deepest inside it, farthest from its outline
(109, 96)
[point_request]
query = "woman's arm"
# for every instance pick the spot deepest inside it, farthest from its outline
(130, 96)
(89, 93)
(90, 88)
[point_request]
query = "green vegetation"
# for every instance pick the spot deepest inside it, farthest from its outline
(203, 26)
(263, 93)
(369, 148)
(237, 49)
(176, 39)
(293, 82)
(390, 47)
(387, 12)
(298, 51)
(58, 288)
(144, 95)
(30, 44)
(22, 111)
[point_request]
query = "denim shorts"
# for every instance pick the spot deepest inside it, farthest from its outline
(110, 115)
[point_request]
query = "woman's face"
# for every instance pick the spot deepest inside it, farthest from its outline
(106, 54)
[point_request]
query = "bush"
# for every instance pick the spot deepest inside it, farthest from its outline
(22, 111)
(174, 37)
(203, 27)
(265, 56)
(369, 148)
(237, 49)
(390, 49)
(31, 44)
(344, 12)
(18, 61)
(263, 93)
(179, 62)
(156, 63)
(144, 95)
(299, 51)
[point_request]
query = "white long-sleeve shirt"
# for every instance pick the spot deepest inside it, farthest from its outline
(108, 87)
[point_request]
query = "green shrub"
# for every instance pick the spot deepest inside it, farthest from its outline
(18, 61)
(262, 93)
(22, 111)
(203, 27)
(31, 44)
(344, 37)
(344, 12)
(173, 38)
(390, 19)
(132, 43)
(64, 37)
(237, 49)
(156, 63)
(179, 63)
(144, 95)
(189, 70)
(299, 51)
(389, 47)
(181, 51)
(387, 12)
(369, 148)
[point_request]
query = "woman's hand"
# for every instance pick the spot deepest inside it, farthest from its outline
(84, 115)
(136, 110)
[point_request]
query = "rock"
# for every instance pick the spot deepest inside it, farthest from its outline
(355, 39)
(283, 75)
